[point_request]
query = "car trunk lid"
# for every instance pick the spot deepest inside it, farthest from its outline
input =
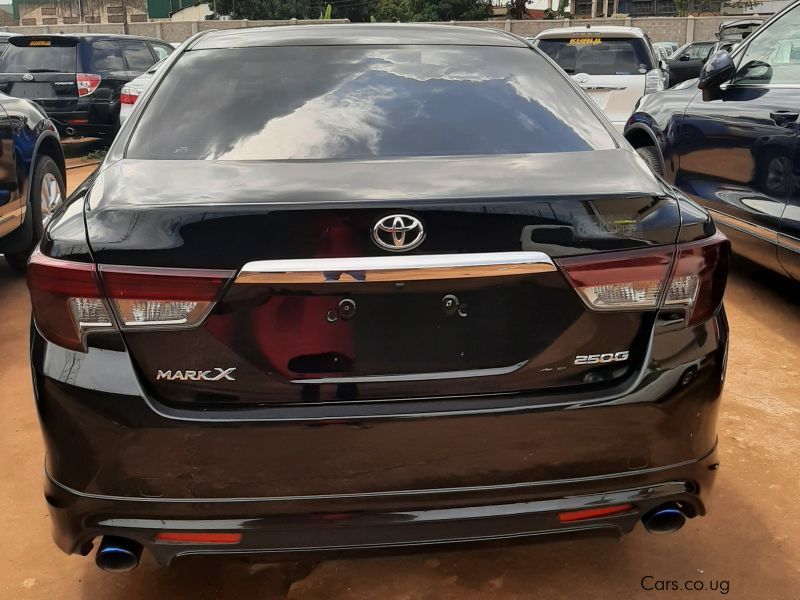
(315, 311)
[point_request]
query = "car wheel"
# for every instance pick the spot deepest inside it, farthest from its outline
(652, 158)
(47, 194)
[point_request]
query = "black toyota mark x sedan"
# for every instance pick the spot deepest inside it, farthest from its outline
(372, 287)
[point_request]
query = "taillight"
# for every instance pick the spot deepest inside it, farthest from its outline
(87, 83)
(68, 297)
(128, 96)
(627, 280)
(701, 272)
(646, 280)
(653, 81)
(158, 297)
(66, 300)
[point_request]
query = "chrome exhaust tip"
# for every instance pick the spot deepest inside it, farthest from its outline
(117, 554)
(70, 131)
(667, 518)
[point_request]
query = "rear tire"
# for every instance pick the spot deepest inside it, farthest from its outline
(47, 194)
(652, 158)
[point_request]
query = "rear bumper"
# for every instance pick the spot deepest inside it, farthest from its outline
(390, 523)
(90, 118)
(331, 478)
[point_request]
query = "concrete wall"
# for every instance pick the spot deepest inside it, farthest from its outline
(660, 29)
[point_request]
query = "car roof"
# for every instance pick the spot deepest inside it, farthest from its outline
(356, 34)
(607, 30)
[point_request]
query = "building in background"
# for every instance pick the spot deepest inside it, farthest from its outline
(7, 15)
(188, 10)
(667, 8)
(71, 12)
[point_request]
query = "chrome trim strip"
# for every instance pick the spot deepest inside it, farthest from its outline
(758, 231)
(370, 269)
(417, 376)
(789, 242)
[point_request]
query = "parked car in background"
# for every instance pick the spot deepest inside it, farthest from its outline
(212, 309)
(733, 33)
(662, 53)
(77, 78)
(687, 61)
(614, 65)
(668, 48)
(32, 177)
(133, 89)
(730, 141)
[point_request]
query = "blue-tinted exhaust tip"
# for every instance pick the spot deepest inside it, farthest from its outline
(117, 554)
(664, 519)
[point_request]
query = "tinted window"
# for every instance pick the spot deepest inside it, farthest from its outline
(38, 59)
(162, 51)
(137, 55)
(774, 56)
(694, 51)
(323, 102)
(106, 56)
(598, 55)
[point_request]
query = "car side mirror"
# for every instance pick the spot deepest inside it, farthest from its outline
(718, 69)
(684, 57)
(662, 64)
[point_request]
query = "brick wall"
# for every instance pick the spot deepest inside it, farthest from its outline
(665, 29)
(660, 29)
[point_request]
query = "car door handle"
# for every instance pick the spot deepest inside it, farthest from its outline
(784, 118)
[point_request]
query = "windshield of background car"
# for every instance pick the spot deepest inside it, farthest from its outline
(39, 56)
(352, 102)
(773, 57)
(598, 55)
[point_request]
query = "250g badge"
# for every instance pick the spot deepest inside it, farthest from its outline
(609, 357)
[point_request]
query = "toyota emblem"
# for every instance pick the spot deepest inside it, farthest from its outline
(27, 77)
(398, 233)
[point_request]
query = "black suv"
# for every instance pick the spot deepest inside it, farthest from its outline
(731, 141)
(77, 78)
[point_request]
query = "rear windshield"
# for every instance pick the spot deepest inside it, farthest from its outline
(598, 55)
(38, 59)
(317, 102)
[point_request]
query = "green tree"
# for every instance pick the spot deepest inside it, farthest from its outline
(355, 10)
(433, 10)
(516, 9)
(562, 12)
